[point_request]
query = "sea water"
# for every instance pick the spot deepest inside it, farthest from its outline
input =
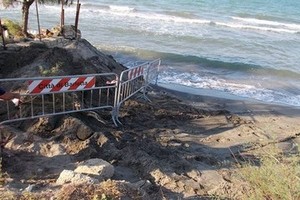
(248, 49)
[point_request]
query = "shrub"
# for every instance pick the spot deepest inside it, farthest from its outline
(14, 29)
(276, 177)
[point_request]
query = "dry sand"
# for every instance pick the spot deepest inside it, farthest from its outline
(185, 146)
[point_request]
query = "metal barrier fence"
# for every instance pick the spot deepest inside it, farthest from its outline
(48, 96)
(134, 80)
(153, 70)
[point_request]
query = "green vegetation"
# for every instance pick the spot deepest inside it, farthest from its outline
(277, 176)
(25, 10)
(14, 29)
(52, 71)
(7, 3)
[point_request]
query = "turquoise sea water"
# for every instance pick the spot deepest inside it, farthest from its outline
(242, 48)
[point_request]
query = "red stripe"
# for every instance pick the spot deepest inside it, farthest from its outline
(140, 70)
(77, 83)
(130, 74)
(60, 84)
(136, 72)
(91, 83)
(41, 86)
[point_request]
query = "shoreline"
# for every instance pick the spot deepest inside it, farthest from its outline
(214, 100)
(273, 91)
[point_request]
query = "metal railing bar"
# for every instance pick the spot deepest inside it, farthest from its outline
(59, 113)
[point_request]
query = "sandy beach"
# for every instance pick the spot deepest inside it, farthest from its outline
(179, 146)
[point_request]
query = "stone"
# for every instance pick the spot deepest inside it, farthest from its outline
(69, 176)
(69, 32)
(97, 168)
(52, 149)
(77, 127)
(194, 174)
(83, 131)
(211, 180)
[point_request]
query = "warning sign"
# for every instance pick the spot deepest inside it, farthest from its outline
(60, 85)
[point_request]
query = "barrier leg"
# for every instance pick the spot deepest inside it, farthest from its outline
(115, 116)
(144, 96)
(114, 120)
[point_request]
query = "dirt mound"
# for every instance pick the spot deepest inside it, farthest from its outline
(151, 147)
(67, 57)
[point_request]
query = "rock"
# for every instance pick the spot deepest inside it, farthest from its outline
(52, 149)
(144, 184)
(211, 180)
(194, 174)
(75, 126)
(288, 147)
(98, 168)
(70, 33)
(69, 176)
(56, 31)
(83, 131)
(42, 125)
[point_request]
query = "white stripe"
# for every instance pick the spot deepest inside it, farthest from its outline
(89, 79)
(72, 80)
(54, 82)
(33, 85)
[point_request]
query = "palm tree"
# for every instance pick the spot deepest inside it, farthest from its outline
(25, 10)
(25, 15)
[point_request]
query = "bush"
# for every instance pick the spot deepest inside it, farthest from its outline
(14, 29)
(276, 177)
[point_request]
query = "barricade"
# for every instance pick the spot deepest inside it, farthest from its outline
(48, 96)
(152, 73)
(135, 80)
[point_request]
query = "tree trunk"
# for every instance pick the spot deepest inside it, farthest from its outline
(25, 16)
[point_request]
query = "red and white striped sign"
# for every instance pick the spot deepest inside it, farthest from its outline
(61, 85)
(135, 72)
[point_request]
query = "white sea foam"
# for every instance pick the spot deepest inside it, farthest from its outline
(148, 16)
(222, 85)
(259, 28)
(240, 23)
(271, 23)
(129, 14)
(121, 8)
